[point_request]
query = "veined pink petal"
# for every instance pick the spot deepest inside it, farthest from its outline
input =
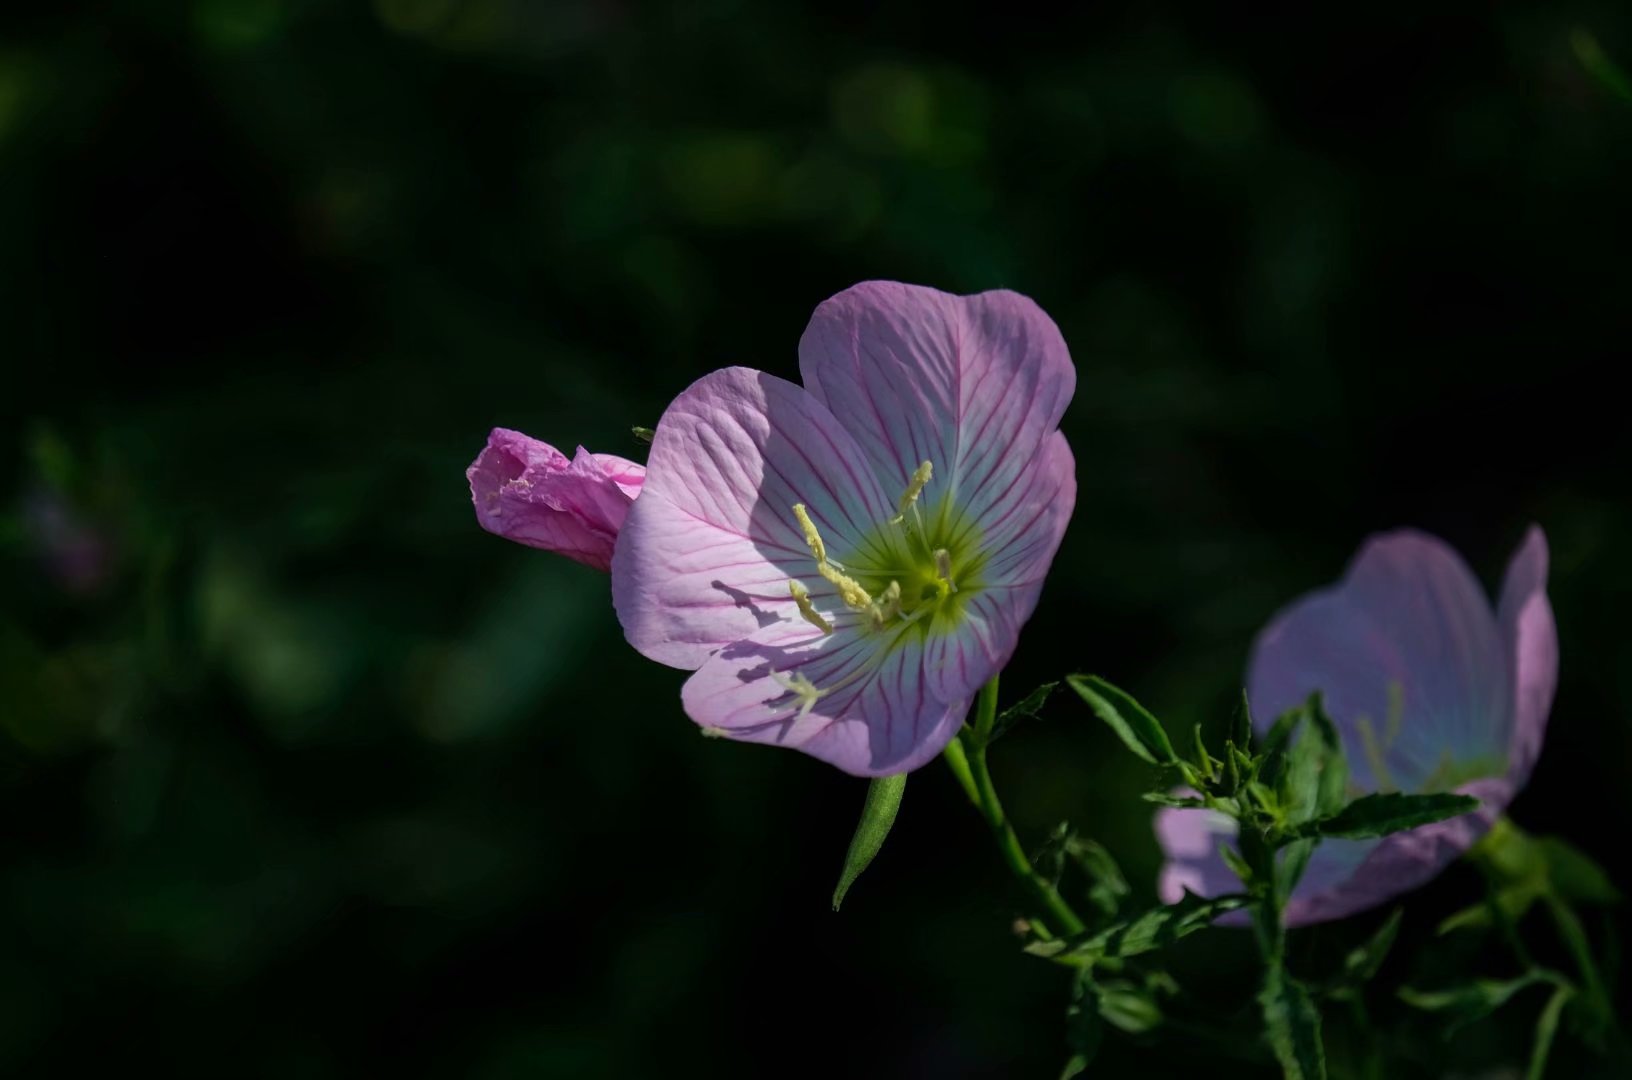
(527, 491)
(1405, 647)
(1531, 640)
(705, 556)
(875, 716)
(972, 384)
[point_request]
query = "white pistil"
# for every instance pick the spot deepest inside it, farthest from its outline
(801, 688)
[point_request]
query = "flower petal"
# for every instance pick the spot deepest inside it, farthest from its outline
(1191, 839)
(705, 556)
(527, 491)
(972, 384)
(1408, 615)
(1343, 877)
(874, 718)
(1346, 877)
(1531, 638)
(1027, 527)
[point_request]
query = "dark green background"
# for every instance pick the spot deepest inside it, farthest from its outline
(319, 779)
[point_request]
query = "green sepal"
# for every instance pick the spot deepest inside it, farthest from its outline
(877, 816)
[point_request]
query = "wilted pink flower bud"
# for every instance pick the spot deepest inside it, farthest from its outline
(530, 492)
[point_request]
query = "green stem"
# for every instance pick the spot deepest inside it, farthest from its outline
(1575, 939)
(966, 756)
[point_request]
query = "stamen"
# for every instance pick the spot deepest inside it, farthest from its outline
(888, 605)
(850, 590)
(801, 688)
(920, 476)
(801, 596)
(812, 537)
(943, 568)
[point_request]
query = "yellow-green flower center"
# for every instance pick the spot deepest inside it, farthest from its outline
(917, 569)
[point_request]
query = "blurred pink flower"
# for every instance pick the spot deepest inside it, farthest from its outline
(1431, 689)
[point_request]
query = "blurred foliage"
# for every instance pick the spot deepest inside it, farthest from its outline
(302, 774)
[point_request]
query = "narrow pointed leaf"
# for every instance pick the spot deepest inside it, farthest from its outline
(1024, 709)
(1154, 929)
(877, 816)
(1474, 1000)
(1546, 1028)
(1574, 875)
(1379, 815)
(1362, 964)
(1241, 723)
(1139, 731)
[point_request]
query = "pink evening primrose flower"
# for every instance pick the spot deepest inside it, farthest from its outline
(1431, 691)
(529, 492)
(844, 564)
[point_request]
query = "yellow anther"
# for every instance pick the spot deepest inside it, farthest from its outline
(850, 590)
(801, 688)
(943, 568)
(801, 596)
(812, 537)
(888, 604)
(915, 487)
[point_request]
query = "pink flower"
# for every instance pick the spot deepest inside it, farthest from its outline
(1431, 689)
(845, 564)
(527, 491)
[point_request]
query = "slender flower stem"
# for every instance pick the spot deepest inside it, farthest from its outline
(966, 756)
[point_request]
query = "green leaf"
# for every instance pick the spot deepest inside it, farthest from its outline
(1507, 904)
(1084, 1030)
(1474, 1000)
(1109, 888)
(1182, 802)
(1546, 1028)
(1280, 732)
(1133, 724)
(1362, 965)
(1332, 791)
(1575, 876)
(1154, 929)
(1379, 815)
(1232, 858)
(1024, 709)
(1241, 723)
(1129, 1007)
(1292, 1024)
(877, 815)
(1294, 861)
(1597, 64)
